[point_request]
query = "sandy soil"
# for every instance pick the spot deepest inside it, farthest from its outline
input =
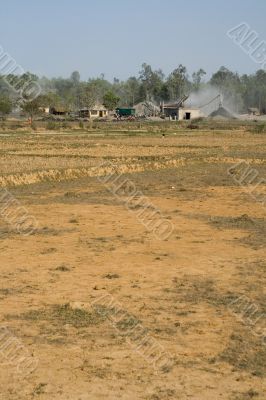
(180, 290)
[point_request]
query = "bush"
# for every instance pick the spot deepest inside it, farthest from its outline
(260, 128)
(193, 126)
(65, 125)
(81, 125)
(198, 120)
(51, 125)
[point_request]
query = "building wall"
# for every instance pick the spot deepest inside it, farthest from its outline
(45, 110)
(194, 113)
(98, 113)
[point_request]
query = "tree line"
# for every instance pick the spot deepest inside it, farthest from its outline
(243, 91)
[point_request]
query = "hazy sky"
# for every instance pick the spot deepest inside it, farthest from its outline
(114, 37)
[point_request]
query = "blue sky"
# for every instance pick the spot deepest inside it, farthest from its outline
(114, 37)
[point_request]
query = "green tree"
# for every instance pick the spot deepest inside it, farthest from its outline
(164, 92)
(99, 87)
(197, 78)
(86, 96)
(178, 83)
(230, 86)
(131, 89)
(49, 99)
(75, 77)
(5, 105)
(110, 100)
(151, 82)
(32, 108)
(260, 90)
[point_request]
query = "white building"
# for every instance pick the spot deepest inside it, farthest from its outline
(189, 113)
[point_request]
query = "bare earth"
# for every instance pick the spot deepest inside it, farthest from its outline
(89, 244)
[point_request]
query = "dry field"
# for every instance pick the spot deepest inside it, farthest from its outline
(182, 290)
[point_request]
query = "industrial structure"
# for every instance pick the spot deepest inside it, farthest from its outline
(178, 111)
(146, 109)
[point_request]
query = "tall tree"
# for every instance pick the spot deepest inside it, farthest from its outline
(229, 85)
(178, 83)
(75, 77)
(151, 81)
(132, 90)
(197, 78)
(87, 97)
(32, 108)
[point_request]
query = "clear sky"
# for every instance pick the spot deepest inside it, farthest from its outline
(114, 37)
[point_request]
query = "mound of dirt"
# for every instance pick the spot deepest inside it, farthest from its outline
(223, 113)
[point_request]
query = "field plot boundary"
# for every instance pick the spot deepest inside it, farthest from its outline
(58, 175)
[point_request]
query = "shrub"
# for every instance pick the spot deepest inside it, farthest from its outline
(260, 128)
(193, 126)
(51, 125)
(197, 120)
(65, 125)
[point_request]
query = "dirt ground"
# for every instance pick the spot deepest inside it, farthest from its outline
(89, 244)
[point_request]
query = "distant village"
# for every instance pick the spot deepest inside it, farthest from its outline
(151, 95)
(172, 111)
(146, 109)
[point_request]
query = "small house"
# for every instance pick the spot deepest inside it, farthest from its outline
(98, 111)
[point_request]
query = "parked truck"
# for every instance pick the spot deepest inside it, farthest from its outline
(125, 112)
